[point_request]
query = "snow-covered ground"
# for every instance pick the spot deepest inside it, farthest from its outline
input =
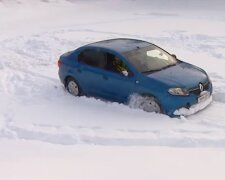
(45, 133)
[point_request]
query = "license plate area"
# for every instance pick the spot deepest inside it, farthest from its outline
(203, 96)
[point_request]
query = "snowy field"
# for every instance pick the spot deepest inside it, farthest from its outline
(45, 133)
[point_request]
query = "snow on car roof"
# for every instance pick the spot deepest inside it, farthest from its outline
(120, 44)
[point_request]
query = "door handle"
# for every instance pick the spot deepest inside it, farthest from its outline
(105, 77)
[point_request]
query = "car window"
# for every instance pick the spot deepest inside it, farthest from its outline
(157, 54)
(116, 65)
(150, 59)
(103, 60)
(93, 58)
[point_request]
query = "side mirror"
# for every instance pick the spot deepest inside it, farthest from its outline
(174, 56)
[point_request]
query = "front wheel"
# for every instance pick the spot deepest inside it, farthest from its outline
(146, 103)
(72, 87)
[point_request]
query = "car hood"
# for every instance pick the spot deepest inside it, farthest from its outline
(181, 75)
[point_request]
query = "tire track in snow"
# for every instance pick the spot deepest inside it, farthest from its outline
(153, 138)
(209, 131)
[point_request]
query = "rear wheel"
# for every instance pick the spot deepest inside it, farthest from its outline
(72, 87)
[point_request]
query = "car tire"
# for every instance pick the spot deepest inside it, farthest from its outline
(146, 103)
(72, 87)
(150, 104)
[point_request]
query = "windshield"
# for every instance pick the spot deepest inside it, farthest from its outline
(149, 59)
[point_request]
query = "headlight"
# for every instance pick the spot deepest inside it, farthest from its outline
(178, 91)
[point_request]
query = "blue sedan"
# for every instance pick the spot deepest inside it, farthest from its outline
(138, 73)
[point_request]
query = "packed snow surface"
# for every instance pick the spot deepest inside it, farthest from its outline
(38, 118)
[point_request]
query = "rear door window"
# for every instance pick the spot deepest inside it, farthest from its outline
(93, 58)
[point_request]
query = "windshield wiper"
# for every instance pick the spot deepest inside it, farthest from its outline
(151, 71)
(155, 70)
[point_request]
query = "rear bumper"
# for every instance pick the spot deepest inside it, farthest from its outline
(193, 109)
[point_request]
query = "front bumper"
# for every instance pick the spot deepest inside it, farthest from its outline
(193, 109)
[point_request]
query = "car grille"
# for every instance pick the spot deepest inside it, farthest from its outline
(197, 90)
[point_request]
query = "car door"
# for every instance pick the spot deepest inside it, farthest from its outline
(89, 71)
(99, 78)
(117, 85)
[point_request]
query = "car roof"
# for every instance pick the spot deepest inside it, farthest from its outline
(120, 44)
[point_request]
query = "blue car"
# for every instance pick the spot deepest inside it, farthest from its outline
(138, 73)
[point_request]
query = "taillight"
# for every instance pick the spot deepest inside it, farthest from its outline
(59, 63)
